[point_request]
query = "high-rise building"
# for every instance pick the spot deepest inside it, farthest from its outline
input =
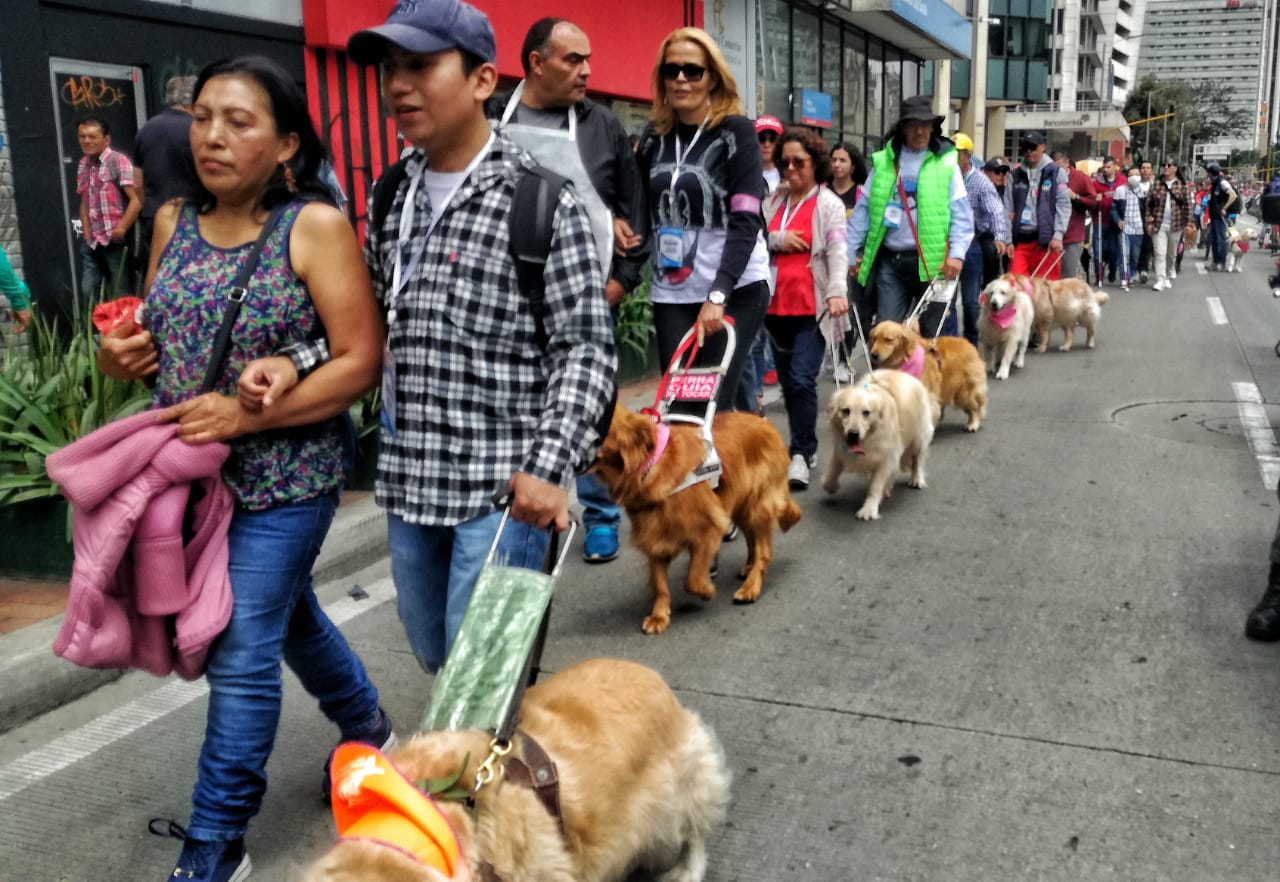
(1216, 41)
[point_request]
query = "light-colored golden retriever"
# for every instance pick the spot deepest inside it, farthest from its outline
(1004, 323)
(950, 367)
(881, 424)
(1066, 304)
(753, 494)
(642, 784)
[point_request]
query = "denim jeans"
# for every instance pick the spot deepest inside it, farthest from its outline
(435, 569)
(101, 264)
(970, 289)
(275, 616)
(598, 510)
(746, 306)
(1218, 241)
(797, 353)
(1111, 252)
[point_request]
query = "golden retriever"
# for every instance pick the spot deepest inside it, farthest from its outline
(1066, 304)
(1004, 323)
(753, 494)
(881, 424)
(642, 784)
(950, 367)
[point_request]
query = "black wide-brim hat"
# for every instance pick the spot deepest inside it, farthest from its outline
(919, 108)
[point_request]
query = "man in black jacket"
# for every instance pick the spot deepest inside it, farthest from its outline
(556, 60)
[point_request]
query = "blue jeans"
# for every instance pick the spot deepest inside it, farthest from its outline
(970, 289)
(797, 353)
(598, 509)
(435, 570)
(899, 287)
(1111, 252)
(1134, 241)
(102, 264)
(275, 616)
(1218, 241)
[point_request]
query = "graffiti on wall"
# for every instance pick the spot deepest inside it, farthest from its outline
(85, 93)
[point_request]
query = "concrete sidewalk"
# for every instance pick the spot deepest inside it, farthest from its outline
(36, 681)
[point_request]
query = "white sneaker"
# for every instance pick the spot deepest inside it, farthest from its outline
(842, 374)
(1173, 275)
(798, 473)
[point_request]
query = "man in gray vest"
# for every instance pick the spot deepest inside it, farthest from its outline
(550, 115)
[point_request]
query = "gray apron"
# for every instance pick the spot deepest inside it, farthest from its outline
(557, 150)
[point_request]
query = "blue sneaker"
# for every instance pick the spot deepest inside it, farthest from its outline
(207, 861)
(601, 545)
(381, 737)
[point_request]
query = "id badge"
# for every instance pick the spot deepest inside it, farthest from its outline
(670, 247)
(1028, 217)
(893, 215)
(388, 417)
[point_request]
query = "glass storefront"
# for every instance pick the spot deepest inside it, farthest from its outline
(800, 48)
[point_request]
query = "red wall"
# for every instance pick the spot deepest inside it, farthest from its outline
(624, 36)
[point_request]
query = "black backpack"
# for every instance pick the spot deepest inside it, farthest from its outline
(533, 213)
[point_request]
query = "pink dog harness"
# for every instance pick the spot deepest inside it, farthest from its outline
(915, 364)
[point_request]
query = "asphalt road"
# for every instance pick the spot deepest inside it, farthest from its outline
(1032, 670)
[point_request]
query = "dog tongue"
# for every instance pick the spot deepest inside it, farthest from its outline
(856, 449)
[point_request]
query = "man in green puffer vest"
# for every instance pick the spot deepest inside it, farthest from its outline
(916, 222)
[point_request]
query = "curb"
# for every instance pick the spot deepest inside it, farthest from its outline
(36, 681)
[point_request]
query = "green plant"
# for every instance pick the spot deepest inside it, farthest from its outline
(51, 394)
(634, 328)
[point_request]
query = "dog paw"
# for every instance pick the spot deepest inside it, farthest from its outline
(830, 486)
(1002, 374)
(972, 426)
(707, 590)
(1089, 345)
(917, 483)
(1065, 347)
(748, 593)
(868, 513)
(656, 624)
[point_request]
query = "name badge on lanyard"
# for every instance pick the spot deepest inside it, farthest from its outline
(670, 237)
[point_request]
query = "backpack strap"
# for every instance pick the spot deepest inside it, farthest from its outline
(533, 213)
(384, 193)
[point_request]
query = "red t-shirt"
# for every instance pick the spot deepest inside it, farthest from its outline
(794, 292)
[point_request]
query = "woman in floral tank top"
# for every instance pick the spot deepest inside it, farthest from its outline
(256, 150)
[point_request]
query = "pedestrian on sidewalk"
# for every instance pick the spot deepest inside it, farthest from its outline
(162, 158)
(109, 206)
(1040, 206)
(257, 154)
(806, 224)
(1168, 220)
(1126, 214)
(596, 155)
(1082, 195)
(1223, 199)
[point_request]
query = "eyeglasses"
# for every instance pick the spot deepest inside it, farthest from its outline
(1167, 164)
(794, 161)
(767, 137)
(671, 71)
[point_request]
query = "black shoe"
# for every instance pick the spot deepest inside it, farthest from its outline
(1264, 621)
(381, 737)
(715, 565)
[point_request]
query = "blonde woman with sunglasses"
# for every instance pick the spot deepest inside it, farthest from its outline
(701, 167)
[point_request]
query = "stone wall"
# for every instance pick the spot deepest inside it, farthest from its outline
(8, 208)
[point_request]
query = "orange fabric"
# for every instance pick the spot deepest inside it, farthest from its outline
(373, 800)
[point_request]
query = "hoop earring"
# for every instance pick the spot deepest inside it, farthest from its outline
(289, 180)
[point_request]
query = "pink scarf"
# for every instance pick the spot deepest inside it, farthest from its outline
(1004, 317)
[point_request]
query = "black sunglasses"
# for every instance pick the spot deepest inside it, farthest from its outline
(1174, 164)
(692, 72)
(797, 161)
(765, 137)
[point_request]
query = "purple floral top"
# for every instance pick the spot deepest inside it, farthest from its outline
(183, 310)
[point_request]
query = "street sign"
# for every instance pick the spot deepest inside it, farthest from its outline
(1213, 152)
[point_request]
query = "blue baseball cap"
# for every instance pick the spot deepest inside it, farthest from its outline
(424, 26)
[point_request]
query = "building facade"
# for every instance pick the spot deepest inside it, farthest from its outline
(1215, 41)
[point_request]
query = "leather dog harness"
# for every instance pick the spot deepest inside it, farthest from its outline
(538, 773)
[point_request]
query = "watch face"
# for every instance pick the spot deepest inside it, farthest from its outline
(717, 298)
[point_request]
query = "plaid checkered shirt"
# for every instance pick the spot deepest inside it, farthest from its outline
(988, 209)
(98, 183)
(480, 394)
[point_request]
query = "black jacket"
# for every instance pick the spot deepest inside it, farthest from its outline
(606, 152)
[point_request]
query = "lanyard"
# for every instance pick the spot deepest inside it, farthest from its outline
(682, 155)
(400, 274)
(911, 222)
(788, 215)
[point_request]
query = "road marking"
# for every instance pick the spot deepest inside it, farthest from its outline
(1258, 431)
(1216, 312)
(79, 744)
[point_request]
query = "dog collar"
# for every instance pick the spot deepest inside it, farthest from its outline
(373, 801)
(659, 447)
(915, 364)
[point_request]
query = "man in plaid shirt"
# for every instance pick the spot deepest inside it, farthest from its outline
(109, 204)
(485, 391)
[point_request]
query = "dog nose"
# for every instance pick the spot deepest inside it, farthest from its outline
(875, 358)
(851, 438)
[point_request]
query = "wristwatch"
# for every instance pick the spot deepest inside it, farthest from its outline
(717, 298)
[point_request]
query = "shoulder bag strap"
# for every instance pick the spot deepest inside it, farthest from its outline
(235, 297)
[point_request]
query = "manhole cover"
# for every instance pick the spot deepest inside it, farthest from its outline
(1207, 423)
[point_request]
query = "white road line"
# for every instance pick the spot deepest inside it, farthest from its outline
(1216, 312)
(1258, 431)
(79, 744)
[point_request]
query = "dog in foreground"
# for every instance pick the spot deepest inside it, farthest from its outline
(642, 783)
(950, 367)
(880, 424)
(1066, 304)
(643, 462)
(1238, 243)
(1004, 323)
